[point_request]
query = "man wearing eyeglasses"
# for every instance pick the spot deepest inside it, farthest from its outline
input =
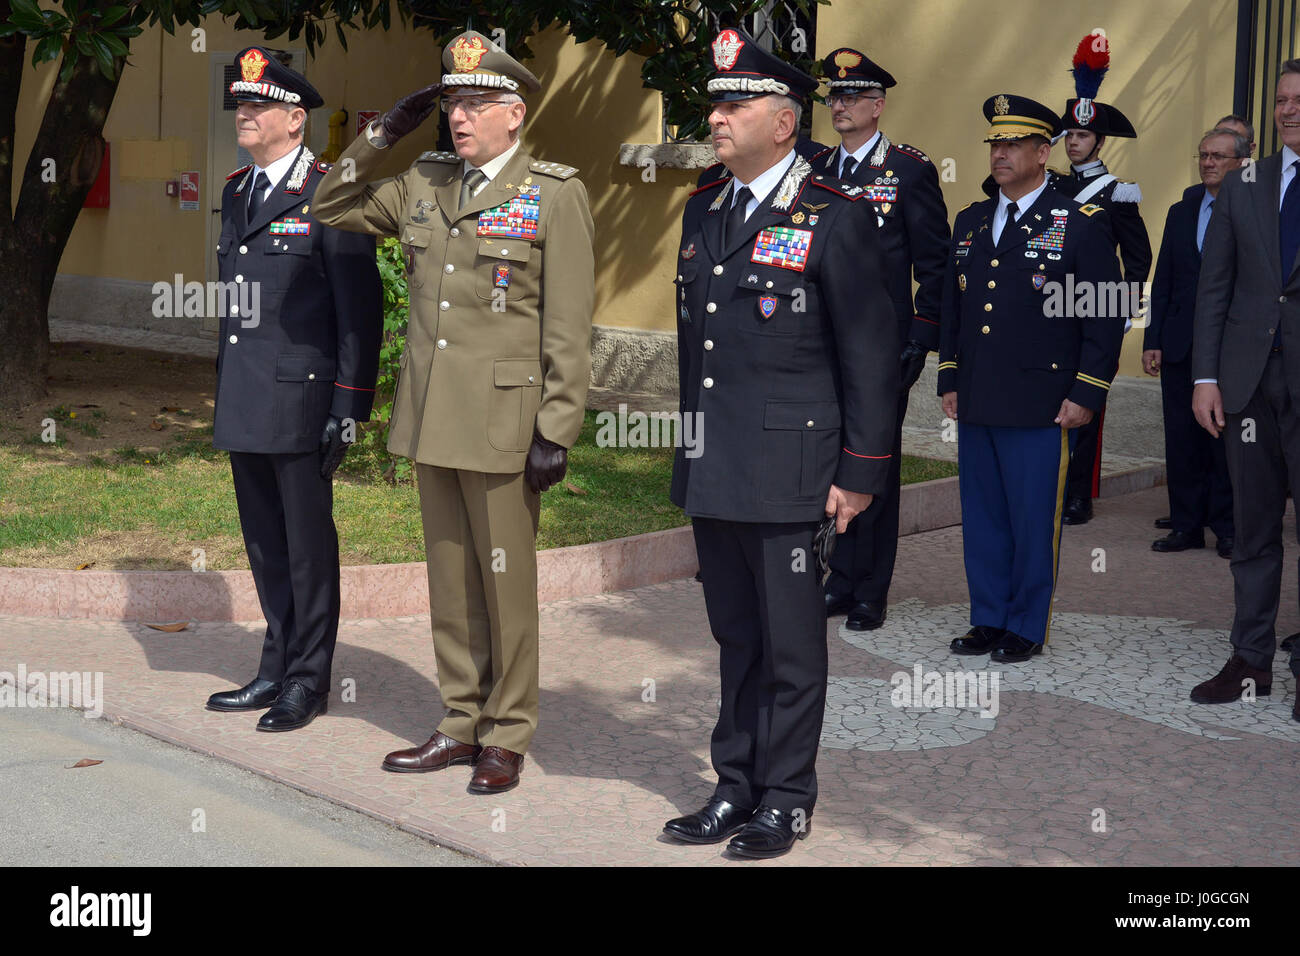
(492, 386)
(1200, 493)
(903, 186)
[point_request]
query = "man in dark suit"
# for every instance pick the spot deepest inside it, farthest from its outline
(1199, 491)
(788, 350)
(293, 379)
(1087, 124)
(1246, 369)
(1027, 352)
(902, 186)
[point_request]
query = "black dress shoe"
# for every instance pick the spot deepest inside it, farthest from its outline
(838, 605)
(978, 640)
(1224, 547)
(717, 821)
(1077, 511)
(771, 832)
(866, 616)
(1165, 524)
(296, 707)
(253, 696)
(1013, 649)
(1179, 541)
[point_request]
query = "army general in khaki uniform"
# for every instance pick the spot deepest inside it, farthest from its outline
(492, 385)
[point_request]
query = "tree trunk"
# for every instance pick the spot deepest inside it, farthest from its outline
(60, 170)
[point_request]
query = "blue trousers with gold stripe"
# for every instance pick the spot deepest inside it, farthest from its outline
(1012, 484)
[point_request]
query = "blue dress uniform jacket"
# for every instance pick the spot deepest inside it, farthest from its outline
(902, 185)
(314, 350)
(787, 349)
(1013, 344)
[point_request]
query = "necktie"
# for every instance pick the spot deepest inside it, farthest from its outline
(1012, 211)
(471, 183)
(258, 195)
(1288, 221)
(846, 170)
(736, 217)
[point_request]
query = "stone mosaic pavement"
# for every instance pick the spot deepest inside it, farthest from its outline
(1096, 731)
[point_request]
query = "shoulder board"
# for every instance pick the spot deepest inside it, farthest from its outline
(435, 156)
(240, 171)
(710, 185)
(558, 170)
(967, 206)
(1090, 209)
(1126, 192)
(324, 167)
(838, 186)
(911, 151)
(828, 149)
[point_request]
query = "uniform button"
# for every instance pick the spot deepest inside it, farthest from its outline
(450, 268)
(530, 380)
(988, 306)
(809, 423)
(717, 270)
(311, 376)
(239, 278)
(444, 305)
(1281, 298)
(234, 339)
(1270, 331)
(503, 251)
(994, 263)
(708, 345)
(234, 310)
(442, 343)
(454, 232)
(769, 283)
(1054, 365)
(992, 284)
(707, 383)
(243, 250)
(985, 330)
(679, 277)
(711, 307)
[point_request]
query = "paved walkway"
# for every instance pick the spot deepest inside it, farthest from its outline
(1095, 755)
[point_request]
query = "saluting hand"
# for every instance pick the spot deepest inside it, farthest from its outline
(409, 112)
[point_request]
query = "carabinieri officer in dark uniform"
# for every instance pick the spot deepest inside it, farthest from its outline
(293, 379)
(902, 185)
(1024, 359)
(1087, 123)
(788, 352)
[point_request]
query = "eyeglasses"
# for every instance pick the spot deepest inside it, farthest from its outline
(1217, 157)
(849, 99)
(472, 105)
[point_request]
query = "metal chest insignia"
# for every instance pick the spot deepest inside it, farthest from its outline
(689, 252)
(767, 306)
(501, 275)
(1039, 279)
(961, 282)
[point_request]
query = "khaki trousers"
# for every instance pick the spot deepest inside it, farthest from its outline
(480, 540)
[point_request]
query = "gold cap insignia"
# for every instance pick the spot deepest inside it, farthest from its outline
(846, 60)
(252, 65)
(1002, 106)
(466, 53)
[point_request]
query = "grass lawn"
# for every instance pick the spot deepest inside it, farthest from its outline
(167, 509)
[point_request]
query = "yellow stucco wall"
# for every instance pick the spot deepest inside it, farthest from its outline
(1171, 74)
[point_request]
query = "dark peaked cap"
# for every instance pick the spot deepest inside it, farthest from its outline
(1015, 117)
(847, 69)
(745, 70)
(264, 79)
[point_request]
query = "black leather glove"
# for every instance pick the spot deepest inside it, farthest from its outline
(547, 463)
(409, 112)
(332, 447)
(910, 363)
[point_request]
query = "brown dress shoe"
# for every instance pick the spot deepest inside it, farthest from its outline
(440, 751)
(1226, 686)
(497, 771)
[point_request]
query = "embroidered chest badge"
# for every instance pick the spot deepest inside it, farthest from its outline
(514, 219)
(767, 306)
(501, 276)
(784, 247)
(1039, 280)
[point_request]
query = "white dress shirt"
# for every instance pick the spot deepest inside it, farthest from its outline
(859, 155)
(274, 172)
(763, 183)
(492, 168)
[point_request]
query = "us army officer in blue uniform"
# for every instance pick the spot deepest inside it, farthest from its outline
(788, 350)
(1024, 359)
(289, 379)
(903, 186)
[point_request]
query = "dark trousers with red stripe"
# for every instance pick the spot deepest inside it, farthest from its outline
(1085, 464)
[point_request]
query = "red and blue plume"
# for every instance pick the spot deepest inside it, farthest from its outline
(1091, 60)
